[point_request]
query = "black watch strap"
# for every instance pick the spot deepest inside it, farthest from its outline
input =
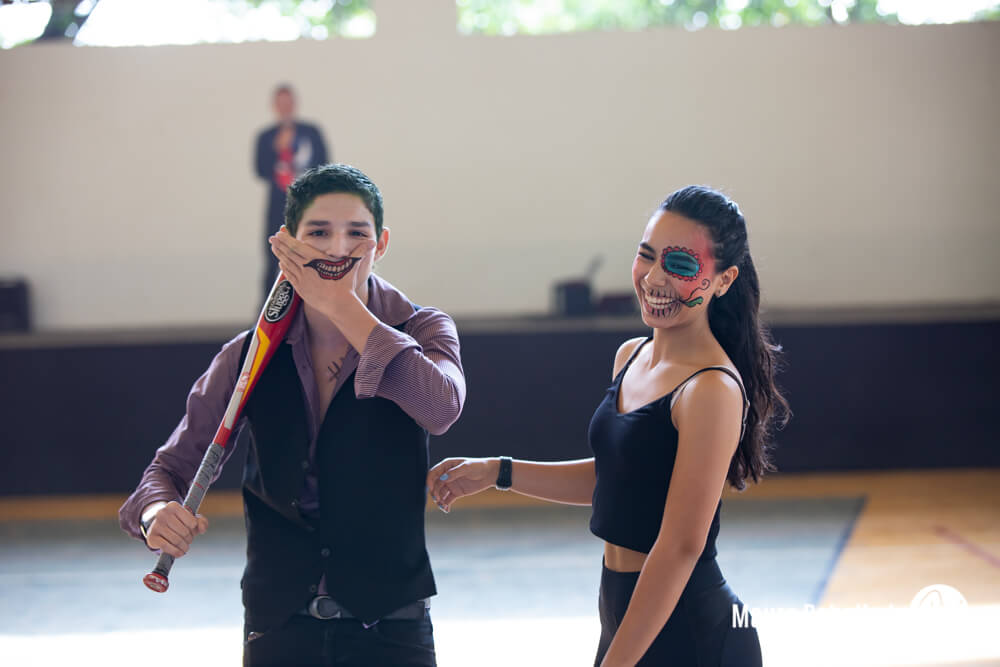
(505, 476)
(144, 528)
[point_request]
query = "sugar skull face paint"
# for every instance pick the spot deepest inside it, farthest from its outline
(681, 263)
(333, 270)
(673, 267)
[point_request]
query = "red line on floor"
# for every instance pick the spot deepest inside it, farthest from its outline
(972, 548)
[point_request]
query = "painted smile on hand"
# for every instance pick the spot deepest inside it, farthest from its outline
(333, 269)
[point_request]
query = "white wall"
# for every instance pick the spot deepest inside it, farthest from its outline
(867, 159)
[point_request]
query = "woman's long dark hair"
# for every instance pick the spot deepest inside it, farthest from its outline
(734, 321)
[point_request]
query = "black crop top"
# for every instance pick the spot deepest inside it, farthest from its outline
(634, 457)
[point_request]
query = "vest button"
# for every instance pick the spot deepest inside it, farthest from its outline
(324, 552)
(313, 588)
(305, 465)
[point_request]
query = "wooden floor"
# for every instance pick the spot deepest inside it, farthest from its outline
(917, 528)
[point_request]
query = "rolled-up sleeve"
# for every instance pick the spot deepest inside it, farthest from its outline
(420, 370)
(167, 478)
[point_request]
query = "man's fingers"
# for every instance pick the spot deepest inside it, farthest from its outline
(363, 248)
(180, 520)
(167, 540)
(285, 254)
(182, 516)
(190, 520)
(291, 272)
(176, 533)
(295, 249)
(278, 251)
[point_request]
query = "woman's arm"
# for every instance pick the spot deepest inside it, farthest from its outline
(708, 416)
(567, 482)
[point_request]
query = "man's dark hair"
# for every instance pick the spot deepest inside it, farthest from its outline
(331, 179)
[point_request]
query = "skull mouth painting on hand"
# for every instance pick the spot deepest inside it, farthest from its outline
(333, 269)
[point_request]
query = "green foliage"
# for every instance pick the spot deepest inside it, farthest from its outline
(505, 17)
(290, 7)
(334, 15)
(319, 19)
(316, 19)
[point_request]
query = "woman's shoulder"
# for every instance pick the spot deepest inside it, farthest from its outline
(625, 351)
(707, 389)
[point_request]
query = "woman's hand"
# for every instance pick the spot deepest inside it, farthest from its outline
(324, 282)
(452, 479)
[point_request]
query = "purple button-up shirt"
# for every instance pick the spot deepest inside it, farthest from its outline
(394, 365)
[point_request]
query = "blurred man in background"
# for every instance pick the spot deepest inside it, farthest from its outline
(284, 150)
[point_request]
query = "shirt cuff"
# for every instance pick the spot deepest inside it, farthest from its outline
(130, 513)
(383, 345)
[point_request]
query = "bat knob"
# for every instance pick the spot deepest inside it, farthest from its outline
(156, 582)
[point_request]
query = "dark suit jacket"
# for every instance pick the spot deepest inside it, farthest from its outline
(308, 150)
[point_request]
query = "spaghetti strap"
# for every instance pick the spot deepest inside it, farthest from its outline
(730, 373)
(635, 353)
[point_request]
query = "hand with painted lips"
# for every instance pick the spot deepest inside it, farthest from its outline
(330, 269)
(321, 280)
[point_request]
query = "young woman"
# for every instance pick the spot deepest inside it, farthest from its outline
(689, 410)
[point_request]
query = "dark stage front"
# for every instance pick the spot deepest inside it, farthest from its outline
(83, 413)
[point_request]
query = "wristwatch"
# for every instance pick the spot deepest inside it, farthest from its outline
(144, 527)
(147, 517)
(504, 477)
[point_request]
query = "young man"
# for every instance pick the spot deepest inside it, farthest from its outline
(337, 569)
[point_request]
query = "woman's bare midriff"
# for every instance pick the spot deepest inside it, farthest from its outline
(620, 559)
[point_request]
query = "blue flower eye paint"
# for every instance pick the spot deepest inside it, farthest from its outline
(681, 263)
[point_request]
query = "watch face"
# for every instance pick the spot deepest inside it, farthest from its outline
(504, 481)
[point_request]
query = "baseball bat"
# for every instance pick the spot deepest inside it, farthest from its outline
(272, 325)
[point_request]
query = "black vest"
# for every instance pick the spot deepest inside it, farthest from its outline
(371, 460)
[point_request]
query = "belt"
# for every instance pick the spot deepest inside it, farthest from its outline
(325, 608)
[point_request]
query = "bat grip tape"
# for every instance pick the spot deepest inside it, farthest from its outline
(196, 492)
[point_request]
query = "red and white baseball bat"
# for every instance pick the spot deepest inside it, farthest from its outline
(272, 325)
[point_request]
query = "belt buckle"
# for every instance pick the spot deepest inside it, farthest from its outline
(316, 612)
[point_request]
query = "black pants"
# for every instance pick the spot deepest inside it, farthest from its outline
(699, 633)
(307, 641)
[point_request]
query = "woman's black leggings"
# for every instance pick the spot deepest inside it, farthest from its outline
(703, 630)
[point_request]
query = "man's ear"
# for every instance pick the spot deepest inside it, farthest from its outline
(383, 244)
